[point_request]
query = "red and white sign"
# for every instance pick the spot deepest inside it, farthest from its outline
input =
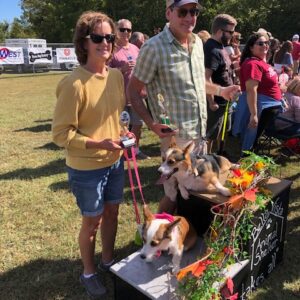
(66, 55)
(11, 56)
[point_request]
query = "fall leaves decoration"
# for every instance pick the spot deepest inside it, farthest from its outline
(229, 231)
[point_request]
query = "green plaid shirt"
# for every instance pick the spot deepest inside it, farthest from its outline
(169, 69)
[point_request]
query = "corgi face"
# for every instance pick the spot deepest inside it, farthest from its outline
(176, 159)
(156, 234)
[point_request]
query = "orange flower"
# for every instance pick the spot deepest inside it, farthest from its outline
(259, 165)
(197, 269)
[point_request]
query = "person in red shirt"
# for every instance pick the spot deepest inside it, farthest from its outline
(261, 94)
(296, 53)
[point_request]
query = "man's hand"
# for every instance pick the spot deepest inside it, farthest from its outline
(213, 106)
(230, 92)
(157, 129)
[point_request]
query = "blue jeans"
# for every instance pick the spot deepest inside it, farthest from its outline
(94, 188)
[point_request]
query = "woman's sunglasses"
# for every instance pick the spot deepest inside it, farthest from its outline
(98, 39)
(261, 43)
(182, 12)
(125, 29)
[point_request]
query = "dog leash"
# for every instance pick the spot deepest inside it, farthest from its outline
(132, 187)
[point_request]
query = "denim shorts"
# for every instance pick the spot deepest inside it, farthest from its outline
(94, 188)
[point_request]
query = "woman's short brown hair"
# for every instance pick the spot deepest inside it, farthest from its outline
(84, 26)
(293, 86)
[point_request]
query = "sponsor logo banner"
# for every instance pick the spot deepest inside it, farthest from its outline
(66, 55)
(40, 55)
(11, 56)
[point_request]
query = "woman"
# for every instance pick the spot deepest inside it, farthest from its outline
(283, 57)
(86, 122)
(260, 91)
(292, 97)
(274, 46)
(233, 50)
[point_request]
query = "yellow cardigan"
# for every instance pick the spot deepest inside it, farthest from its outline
(88, 105)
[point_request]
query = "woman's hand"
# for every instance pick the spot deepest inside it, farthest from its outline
(253, 122)
(110, 145)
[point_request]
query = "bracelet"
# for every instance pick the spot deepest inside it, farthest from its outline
(218, 93)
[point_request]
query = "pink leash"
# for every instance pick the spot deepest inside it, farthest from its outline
(137, 215)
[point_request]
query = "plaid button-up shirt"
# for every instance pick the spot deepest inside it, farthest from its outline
(179, 75)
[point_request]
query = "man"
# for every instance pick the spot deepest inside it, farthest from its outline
(172, 64)
(138, 39)
(296, 53)
(219, 70)
(124, 59)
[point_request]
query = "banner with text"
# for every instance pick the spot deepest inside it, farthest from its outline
(66, 55)
(40, 55)
(11, 56)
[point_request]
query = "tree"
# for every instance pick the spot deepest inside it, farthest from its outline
(4, 26)
(54, 20)
(21, 29)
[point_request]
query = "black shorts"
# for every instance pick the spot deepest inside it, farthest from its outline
(215, 121)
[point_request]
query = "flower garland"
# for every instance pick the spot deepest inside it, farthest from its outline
(229, 232)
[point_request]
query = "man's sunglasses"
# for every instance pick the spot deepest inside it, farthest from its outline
(261, 43)
(182, 12)
(231, 32)
(98, 39)
(125, 29)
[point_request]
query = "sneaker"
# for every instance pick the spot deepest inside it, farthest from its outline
(105, 267)
(140, 155)
(93, 286)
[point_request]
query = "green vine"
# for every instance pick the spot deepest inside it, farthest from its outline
(229, 234)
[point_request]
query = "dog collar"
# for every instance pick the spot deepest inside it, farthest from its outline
(165, 216)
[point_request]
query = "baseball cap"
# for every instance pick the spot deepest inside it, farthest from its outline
(296, 37)
(179, 2)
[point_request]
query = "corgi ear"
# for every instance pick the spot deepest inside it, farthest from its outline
(148, 217)
(189, 148)
(169, 227)
(172, 142)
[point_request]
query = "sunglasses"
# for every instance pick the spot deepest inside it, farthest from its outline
(98, 39)
(125, 29)
(261, 43)
(231, 32)
(182, 12)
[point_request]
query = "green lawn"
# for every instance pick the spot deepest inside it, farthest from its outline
(39, 221)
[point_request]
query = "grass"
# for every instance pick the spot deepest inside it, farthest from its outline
(39, 221)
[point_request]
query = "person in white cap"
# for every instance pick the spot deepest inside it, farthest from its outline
(296, 53)
(172, 64)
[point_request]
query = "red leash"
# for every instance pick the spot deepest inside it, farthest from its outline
(135, 166)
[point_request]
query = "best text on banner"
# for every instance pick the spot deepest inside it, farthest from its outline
(11, 56)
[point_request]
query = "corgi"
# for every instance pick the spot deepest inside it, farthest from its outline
(186, 171)
(166, 232)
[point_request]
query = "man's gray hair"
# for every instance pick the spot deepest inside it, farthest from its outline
(136, 36)
(123, 20)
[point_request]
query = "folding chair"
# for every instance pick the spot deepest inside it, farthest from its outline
(273, 137)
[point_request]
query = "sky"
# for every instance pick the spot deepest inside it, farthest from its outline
(9, 9)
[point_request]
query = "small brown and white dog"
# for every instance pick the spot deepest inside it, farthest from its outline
(165, 232)
(185, 171)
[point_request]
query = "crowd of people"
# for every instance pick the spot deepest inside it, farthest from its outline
(196, 75)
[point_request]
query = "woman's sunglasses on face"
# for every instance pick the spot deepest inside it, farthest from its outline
(261, 43)
(182, 12)
(125, 29)
(98, 39)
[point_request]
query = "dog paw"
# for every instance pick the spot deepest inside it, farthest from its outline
(225, 192)
(185, 194)
(175, 270)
